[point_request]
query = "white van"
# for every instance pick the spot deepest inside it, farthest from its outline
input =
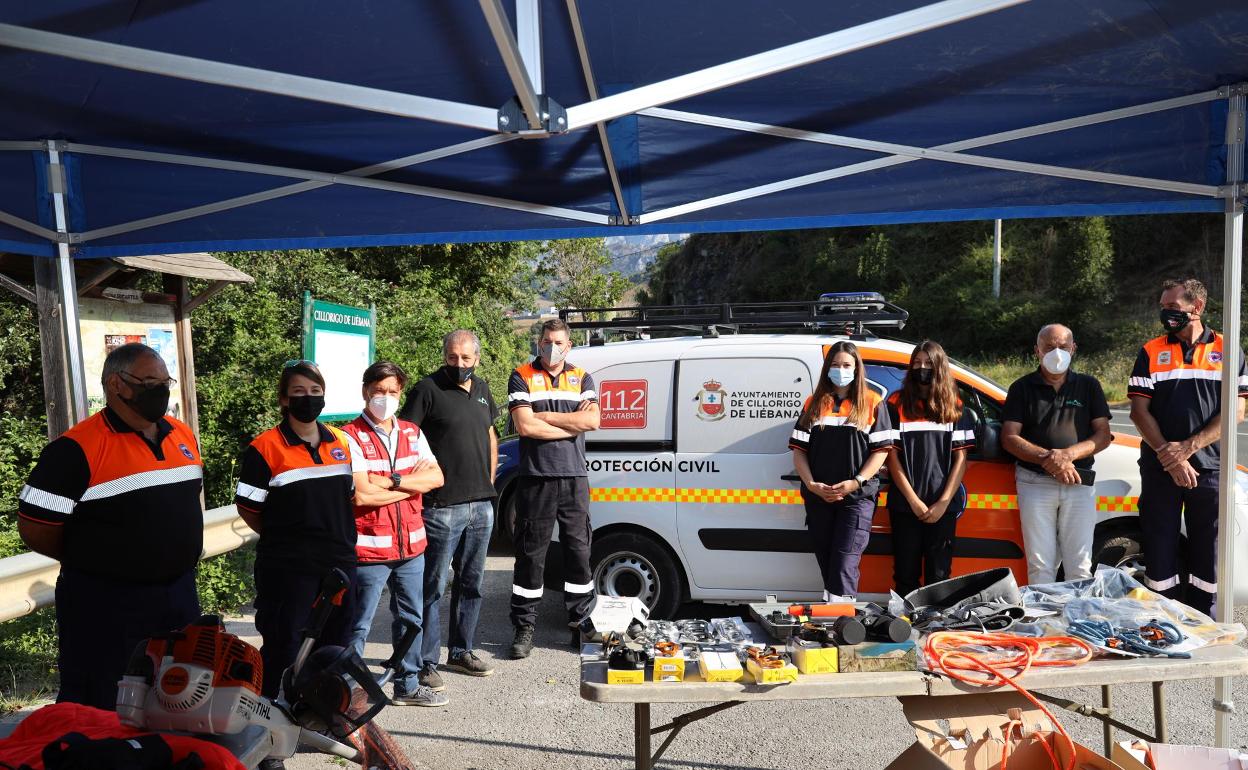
(693, 491)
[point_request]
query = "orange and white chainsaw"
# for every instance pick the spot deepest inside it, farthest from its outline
(205, 681)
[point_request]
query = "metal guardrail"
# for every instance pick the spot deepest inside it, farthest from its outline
(28, 580)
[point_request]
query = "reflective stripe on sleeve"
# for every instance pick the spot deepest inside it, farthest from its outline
(519, 396)
(1141, 382)
(527, 593)
(142, 481)
(964, 435)
(883, 436)
(46, 500)
(374, 541)
(588, 394)
(800, 435)
(311, 472)
(252, 493)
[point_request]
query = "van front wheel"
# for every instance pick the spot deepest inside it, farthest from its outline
(630, 564)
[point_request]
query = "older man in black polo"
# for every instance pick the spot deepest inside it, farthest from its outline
(1055, 421)
(116, 501)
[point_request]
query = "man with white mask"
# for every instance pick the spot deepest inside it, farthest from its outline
(1055, 420)
(553, 404)
(393, 467)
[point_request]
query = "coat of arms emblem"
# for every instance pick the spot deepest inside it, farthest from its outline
(711, 401)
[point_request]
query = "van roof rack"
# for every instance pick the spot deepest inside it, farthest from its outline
(852, 313)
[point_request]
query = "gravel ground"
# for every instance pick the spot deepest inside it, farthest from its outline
(529, 714)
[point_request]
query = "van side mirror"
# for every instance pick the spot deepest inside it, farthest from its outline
(988, 440)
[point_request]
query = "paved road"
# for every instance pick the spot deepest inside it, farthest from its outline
(1120, 422)
(530, 715)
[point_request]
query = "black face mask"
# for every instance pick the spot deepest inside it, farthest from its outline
(922, 376)
(306, 408)
(1174, 321)
(460, 374)
(151, 403)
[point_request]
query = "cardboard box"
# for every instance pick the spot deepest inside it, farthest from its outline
(813, 657)
(783, 675)
(968, 732)
(1131, 755)
(670, 668)
(626, 676)
(878, 656)
(616, 613)
(718, 666)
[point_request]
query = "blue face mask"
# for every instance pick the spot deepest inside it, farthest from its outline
(839, 377)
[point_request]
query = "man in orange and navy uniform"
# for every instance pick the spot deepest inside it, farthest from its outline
(116, 501)
(553, 404)
(1176, 403)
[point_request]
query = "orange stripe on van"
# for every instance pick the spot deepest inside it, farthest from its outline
(991, 502)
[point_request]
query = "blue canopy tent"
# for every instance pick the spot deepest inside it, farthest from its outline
(164, 126)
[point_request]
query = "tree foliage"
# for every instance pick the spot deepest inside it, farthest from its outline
(1100, 276)
(577, 273)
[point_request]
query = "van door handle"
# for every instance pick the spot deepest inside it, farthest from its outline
(790, 477)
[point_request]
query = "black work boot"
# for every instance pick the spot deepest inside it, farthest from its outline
(522, 645)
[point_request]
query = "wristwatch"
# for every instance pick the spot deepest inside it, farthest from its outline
(861, 481)
(395, 479)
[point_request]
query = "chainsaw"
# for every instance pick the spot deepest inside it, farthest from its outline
(205, 681)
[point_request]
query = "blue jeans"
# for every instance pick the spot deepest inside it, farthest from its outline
(459, 536)
(406, 581)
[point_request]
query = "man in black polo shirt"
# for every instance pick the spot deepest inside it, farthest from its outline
(1176, 403)
(116, 501)
(456, 412)
(1055, 421)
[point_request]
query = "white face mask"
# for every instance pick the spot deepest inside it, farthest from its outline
(1056, 361)
(383, 407)
(552, 355)
(839, 377)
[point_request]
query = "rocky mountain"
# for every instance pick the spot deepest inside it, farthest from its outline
(632, 254)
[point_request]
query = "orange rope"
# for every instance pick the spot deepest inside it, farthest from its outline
(951, 653)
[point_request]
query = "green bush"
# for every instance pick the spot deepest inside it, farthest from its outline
(226, 582)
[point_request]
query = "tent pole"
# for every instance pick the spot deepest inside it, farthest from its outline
(996, 259)
(500, 28)
(1232, 256)
(249, 78)
(787, 57)
(67, 288)
(529, 40)
(591, 85)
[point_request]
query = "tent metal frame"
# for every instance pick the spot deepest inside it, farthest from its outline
(521, 51)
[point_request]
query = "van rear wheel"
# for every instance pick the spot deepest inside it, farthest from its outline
(1119, 547)
(630, 564)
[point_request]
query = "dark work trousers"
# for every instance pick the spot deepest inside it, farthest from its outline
(283, 607)
(1163, 506)
(919, 547)
(541, 502)
(840, 531)
(100, 621)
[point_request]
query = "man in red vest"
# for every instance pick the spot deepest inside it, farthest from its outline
(393, 466)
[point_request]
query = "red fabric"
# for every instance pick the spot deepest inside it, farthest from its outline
(395, 531)
(47, 724)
